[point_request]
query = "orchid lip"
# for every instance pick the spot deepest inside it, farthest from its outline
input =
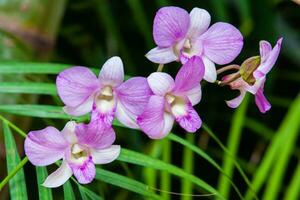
(177, 105)
(78, 153)
(105, 100)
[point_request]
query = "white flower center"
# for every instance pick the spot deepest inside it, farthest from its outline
(105, 100)
(78, 154)
(177, 104)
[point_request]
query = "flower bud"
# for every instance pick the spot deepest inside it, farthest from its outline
(248, 67)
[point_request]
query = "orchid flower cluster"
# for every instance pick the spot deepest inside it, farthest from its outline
(151, 104)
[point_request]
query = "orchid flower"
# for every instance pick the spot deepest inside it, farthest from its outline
(268, 57)
(80, 146)
(106, 96)
(173, 100)
(179, 36)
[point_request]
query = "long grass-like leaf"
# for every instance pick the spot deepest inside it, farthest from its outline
(188, 166)
(146, 161)
(165, 183)
(44, 193)
(28, 88)
(125, 182)
(293, 190)
(87, 194)
(233, 144)
(286, 131)
(289, 131)
(68, 191)
(17, 184)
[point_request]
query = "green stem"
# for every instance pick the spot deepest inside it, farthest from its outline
(13, 172)
(18, 130)
(165, 176)
(188, 166)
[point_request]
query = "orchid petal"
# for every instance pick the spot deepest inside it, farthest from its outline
(45, 146)
(95, 135)
(84, 173)
(82, 109)
(59, 177)
(112, 72)
(189, 75)
(264, 48)
(261, 101)
(75, 85)
(160, 83)
(210, 74)
(190, 121)
(170, 25)
(234, 103)
(104, 156)
(69, 132)
(161, 55)
(194, 95)
(222, 43)
(154, 121)
(200, 20)
(270, 59)
(133, 96)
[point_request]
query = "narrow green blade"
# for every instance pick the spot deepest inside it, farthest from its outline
(44, 193)
(17, 185)
(68, 191)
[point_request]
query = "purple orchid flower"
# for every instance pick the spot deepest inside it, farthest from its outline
(80, 146)
(173, 100)
(179, 36)
(106, 96)
(268, 57)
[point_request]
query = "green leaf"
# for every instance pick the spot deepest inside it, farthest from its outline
(17, 184)
(289, 131)
(203, 154)
(124, 182)
(188, 166)
(146, 161)
(44, 193)
(68, 191)
(273, 155)
(31, 68)
(42, 111)
(87, 194)
(165, 182)
(28, 88)
(293, 190)
(233, 145)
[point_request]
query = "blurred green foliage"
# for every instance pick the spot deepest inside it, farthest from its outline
(87, 33)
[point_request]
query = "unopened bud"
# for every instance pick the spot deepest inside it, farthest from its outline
(248, 67)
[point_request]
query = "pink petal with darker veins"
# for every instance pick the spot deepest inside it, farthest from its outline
(189, 75)
(160, 83)
(133, 96)
(154, 121)
(84, 173)
(95, 135)
(45, 146)
(222, 43)
(112, 72)
(170, 25)
(75, 85)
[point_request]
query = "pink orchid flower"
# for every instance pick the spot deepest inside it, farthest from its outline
(80, 146)
(180, 35)
(106, 96)
(268, 57)
(173, 100)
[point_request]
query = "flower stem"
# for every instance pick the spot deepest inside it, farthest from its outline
(18, 130)
(160, 67)
(13, 172)
(233, 78)
(228, 67)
